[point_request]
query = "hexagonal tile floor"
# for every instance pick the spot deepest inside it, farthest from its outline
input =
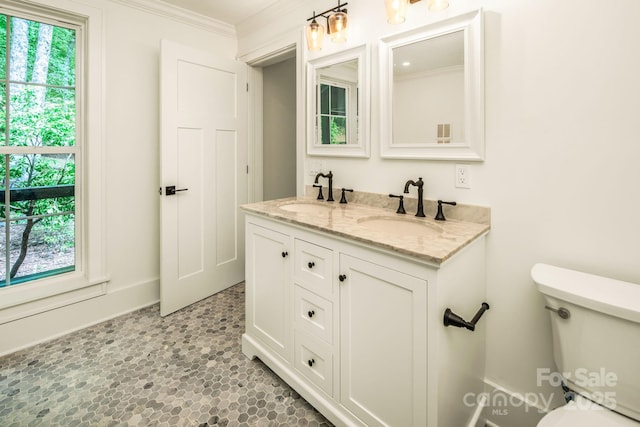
(140, 369)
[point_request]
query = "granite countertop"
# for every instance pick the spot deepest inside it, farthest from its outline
(377, 226)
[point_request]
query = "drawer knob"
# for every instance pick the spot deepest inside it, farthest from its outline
(311, 264)
(311, 362)
(311, 313)
(342, 277)
(284, 254)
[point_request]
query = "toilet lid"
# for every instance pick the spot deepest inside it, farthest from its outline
(584, 413)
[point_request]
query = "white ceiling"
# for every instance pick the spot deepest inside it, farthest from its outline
(229, 11)
(430, 54)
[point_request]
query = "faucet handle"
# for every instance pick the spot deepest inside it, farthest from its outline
(343, 199)
(319, 187)
(401, 205)
(440, 214)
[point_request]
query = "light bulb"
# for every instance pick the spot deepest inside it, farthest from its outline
(338, 27)
(315, 35)
(396, 11)
(436, 5)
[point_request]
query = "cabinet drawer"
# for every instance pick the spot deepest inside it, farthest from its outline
(313, 314)
(314, 360)
(313, 267)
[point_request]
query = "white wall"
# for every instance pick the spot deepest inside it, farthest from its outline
(132, 42)
(423, 101)
(561, 170)
(562, 107)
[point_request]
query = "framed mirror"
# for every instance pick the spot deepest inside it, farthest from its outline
(432, 91)
(338, 104)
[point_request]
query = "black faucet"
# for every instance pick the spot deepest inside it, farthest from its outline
(343, 199)
(319, 187)
(401, 205)
(330, 177)
(440, 214)
(420, 185)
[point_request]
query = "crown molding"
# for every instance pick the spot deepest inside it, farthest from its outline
(274, 13)
(185, 16)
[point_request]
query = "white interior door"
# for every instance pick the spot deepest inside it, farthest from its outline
(204, 156)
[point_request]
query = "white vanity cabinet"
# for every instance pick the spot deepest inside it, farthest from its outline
(358, 331)
(314, 312)
(383, 335)
(269, 308)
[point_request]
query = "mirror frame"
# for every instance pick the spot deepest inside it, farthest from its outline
(361, 149)
(473, 148)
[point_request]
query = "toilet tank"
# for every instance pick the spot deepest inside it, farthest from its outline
(597, 348)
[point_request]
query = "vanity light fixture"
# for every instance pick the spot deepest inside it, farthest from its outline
(397, 9)
(336, 27)
(436, 5)
(315, 35)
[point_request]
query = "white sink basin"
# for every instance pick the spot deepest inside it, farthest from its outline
(306, 208)
(401, 226)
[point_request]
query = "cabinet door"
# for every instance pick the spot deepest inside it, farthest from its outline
(383, 336)
(268, 280)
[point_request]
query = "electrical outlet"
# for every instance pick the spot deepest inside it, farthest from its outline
(462, 176)
(315, 166)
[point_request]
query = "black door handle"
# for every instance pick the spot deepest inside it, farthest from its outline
(170, 190)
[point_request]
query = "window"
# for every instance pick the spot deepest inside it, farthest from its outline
(332, 98)
(51, 156)
(39, 148)
(337, 111)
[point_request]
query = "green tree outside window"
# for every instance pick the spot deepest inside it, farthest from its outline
(333, 114)
(38, 152)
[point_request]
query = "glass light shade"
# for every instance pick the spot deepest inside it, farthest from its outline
(436, 5)
(338, 27)
(315, 35)
(396, 11)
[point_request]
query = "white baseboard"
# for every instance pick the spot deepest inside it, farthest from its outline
(505, 408)
(29, 331)
(476, 419)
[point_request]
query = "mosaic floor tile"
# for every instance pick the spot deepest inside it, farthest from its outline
(140, 369)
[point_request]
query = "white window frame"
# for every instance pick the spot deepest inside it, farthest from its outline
(89, 279)
(350, 102)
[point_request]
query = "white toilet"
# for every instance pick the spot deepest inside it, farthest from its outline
(595, 324)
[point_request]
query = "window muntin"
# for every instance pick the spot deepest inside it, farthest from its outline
(333, 111)
(39, 150)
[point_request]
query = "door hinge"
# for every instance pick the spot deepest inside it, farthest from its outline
(247, 168)
(247, 87)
